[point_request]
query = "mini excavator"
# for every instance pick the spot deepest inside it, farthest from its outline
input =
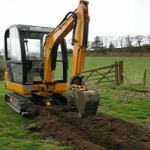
(37, 64)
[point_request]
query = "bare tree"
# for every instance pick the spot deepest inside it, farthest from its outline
(129, 41)
(116, 43)
(139, 39)
(148, 39)
(111, 45)
(121, 40)
(105, 41)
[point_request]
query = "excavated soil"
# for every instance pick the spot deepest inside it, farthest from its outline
(99, 133)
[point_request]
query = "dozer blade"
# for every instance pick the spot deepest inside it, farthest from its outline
(87, 102)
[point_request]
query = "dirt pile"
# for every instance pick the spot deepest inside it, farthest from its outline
(99, 133)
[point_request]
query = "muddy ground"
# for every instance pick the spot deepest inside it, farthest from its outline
(99, 133)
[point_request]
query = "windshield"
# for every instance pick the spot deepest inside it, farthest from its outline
(33, 49)
(33, 43)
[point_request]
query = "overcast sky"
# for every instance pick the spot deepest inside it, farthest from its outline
(107, 17)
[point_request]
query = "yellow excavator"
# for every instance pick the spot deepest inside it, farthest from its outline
(37, 64)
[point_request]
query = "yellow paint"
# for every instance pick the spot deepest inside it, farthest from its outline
(11, 100)
(23, 89)
(54, 38)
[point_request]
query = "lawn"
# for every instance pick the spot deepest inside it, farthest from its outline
(134, 67)
(126, 102)
(129, 103)
(14, 134)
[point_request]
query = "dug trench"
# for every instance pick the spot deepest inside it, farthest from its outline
(99, 133)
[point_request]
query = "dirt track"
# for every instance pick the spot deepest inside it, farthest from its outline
(99, 133)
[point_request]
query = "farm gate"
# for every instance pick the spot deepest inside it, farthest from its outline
(112, 73)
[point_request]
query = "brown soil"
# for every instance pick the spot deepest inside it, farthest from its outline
(99, 133)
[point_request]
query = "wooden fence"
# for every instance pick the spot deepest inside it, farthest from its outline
(112, 73)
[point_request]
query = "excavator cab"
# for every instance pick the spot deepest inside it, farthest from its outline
(24, 63)
(24, 55)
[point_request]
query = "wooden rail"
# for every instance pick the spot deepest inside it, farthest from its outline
(112, 73)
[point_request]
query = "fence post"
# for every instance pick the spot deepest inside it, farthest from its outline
(120, 72)
(144, 77)
(116, 73)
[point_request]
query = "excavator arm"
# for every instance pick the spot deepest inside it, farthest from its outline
(78, 22)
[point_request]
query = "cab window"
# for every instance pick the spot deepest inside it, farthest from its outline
(14, 50)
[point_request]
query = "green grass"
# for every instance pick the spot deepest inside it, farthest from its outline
(126, 104)
(14, 134)
(133, 66)
(114, 102)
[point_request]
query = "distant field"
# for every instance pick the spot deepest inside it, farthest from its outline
(133, 66)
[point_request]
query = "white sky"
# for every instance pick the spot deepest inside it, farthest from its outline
(107, 17)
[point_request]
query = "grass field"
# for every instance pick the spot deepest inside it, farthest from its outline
(125, 102)
(133, 66)
(134, 106)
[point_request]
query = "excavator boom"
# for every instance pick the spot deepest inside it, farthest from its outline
(78, 22)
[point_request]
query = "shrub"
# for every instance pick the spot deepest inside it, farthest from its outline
(2, 68)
